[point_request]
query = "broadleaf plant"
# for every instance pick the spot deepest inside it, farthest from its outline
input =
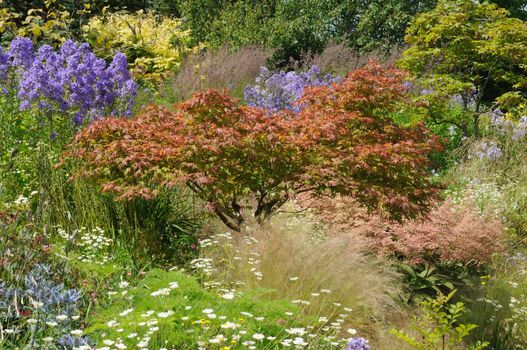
(471, 51)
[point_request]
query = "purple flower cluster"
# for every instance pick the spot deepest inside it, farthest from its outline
(71, 80)
(487, 150)
(280, 90)
(358, 343)
(517, 130)
(5, 65)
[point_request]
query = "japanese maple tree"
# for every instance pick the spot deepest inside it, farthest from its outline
(470, 49)
(237, 157)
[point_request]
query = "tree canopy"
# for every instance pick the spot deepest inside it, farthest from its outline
(292, 28)
(236, 157)
(472, 50)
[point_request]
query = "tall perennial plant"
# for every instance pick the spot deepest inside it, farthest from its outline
(278, 91)
(72, 81)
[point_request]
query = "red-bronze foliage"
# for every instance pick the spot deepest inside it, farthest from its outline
(450, 232)
(343, 141)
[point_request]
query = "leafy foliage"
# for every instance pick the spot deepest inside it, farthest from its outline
(381, 23)
(470, 49)
(52, 21)
(48, 23)
(73, 6)
(439, 326)
(298, 28)
(153, 45)
(427, 281)
(343, 141)
(200, 15)
(293, 28)
(451, 232)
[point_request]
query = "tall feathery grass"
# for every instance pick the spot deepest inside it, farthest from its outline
(325, 275)
(219, 69)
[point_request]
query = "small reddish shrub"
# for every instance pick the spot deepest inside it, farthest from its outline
(450, 232)
(343, 141)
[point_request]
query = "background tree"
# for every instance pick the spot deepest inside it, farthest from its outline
(22, 6)
(472, 50)
(300, 28)
(379, 24)
(52, 21)
(517, 8)
(242, 23)
(297, 28)
(199, 16)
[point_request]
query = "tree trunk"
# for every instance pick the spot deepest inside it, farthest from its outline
(476, 125)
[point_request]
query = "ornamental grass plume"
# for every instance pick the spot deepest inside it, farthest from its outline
(339, 58)
(216, 69)
(327, 277)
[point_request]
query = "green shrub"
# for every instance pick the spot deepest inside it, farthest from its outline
(450, 58)
(438, 328)
(153, 45)
(499, 305)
